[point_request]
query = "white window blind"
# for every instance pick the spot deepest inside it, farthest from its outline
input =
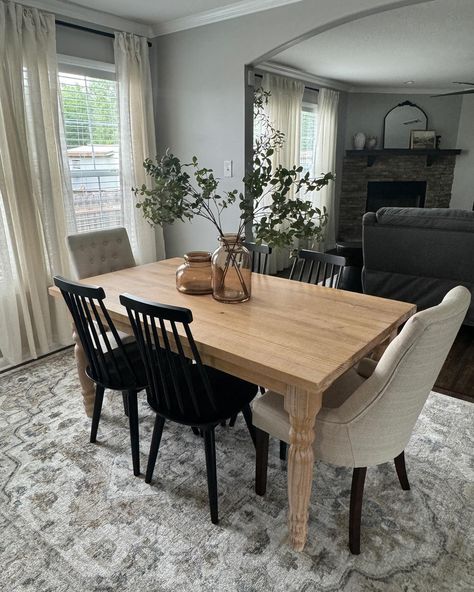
(309, 134)
(90, 112)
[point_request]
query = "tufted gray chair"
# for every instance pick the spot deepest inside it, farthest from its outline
(97, 252)
(100, 251)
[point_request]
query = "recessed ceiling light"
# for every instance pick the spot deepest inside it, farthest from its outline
(408, 82)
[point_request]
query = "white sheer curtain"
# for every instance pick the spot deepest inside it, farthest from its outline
(325, 158)
(32, 186)
(284, 110)
(137, 138)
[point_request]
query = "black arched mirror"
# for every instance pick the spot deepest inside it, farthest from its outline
(400, 121)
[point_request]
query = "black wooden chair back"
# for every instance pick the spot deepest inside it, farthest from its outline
(314, 267)
(181, 390)
(259, 256)
(108, 362)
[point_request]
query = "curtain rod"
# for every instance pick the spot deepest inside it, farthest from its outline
(306, 87)
(88, 30)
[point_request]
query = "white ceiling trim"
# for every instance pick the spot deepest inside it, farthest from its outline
(215, 15)
(399, 90)
(88, 15)
(290, 72)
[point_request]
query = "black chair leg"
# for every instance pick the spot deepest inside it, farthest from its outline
(247, 413)
(125, 402)
(134, 437)
(402, 471)
(210, 447)
(261, 464)
(355, 511)
(99, 397)
(232, 421)
(154, 447)
(283, 448)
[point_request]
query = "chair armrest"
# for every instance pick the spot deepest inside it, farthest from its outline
(366, 367)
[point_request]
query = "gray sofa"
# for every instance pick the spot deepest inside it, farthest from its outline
(418, 254)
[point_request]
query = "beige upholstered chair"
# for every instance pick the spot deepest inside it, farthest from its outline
(369, 413)
(97, 252)
(100, 251)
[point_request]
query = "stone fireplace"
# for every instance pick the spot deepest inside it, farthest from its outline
(391, 178)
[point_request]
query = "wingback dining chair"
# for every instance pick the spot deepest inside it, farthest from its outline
(100, 251)
(368, 414)
(190, 394)
(111, 363)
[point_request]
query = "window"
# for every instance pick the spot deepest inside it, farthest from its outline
(91, 128)
(309, 131)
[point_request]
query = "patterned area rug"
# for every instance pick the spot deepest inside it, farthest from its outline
(73, 517)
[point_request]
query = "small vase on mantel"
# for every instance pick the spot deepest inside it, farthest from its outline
(359, 140)
(231, 270)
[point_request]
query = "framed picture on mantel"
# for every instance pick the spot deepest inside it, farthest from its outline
(422, 139)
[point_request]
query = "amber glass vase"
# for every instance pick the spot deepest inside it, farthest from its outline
(231, 270)
(194, 275)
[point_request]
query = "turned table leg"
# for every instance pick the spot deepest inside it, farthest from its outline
(302, 408)
(87, 386)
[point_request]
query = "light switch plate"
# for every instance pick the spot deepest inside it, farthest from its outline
(227, 168)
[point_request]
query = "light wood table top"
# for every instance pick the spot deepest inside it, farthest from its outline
(288, 332)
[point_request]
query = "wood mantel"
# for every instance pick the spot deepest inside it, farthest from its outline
(431, 155)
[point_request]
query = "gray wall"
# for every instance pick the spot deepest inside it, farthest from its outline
(199, 90)
(463, 184)
(84, 45)
(366, 111)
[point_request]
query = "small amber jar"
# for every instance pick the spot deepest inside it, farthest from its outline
(194, 275)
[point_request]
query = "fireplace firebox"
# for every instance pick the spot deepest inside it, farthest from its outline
(395, 194)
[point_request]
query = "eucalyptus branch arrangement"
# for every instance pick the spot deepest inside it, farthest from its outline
(274, 201)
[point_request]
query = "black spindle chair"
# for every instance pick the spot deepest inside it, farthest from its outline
(260, 255)
(314, 267)
(111, 363)
(187, 393)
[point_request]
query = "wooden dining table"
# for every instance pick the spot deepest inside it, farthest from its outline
(291, 337)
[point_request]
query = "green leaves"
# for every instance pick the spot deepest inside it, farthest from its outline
(273, 202)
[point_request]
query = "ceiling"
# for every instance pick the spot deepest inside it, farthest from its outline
(430, 44)
(156, 17)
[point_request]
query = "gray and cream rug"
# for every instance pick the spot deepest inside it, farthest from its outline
(73, 517)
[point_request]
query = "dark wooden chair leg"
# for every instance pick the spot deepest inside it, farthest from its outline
(210, 447)
(154, 447)
(134, 436)
(247, 413)
(283, 448)
(355, 512)
(99, 397)
(261, 463)
(125, 402)
(232, 421)
(402, 471)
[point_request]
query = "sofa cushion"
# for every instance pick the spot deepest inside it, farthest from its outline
(443, 218)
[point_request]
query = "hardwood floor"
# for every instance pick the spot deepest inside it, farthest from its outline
(457, 375)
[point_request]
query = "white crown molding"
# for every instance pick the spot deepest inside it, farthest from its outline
(398, 90)
(74, 11)
(217, 14)
(290, 72)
